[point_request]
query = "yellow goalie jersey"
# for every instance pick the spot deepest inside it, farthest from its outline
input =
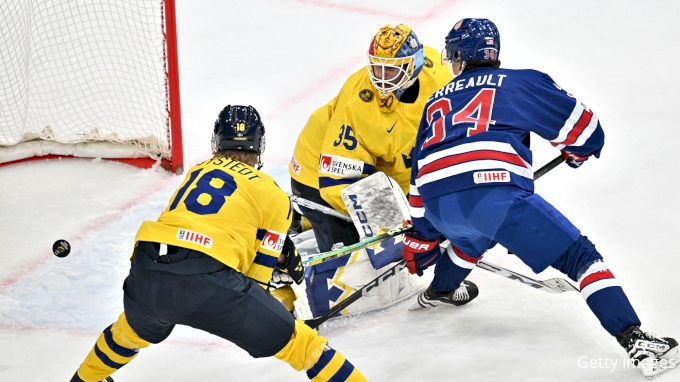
(229, 211)
(364, 136)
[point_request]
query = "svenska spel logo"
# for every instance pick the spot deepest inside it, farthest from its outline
(325, 162)
(273, 241)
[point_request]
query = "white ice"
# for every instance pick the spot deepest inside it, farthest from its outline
(287, 58)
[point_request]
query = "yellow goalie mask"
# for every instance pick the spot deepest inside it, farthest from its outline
(395, 58)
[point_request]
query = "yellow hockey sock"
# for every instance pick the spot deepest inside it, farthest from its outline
(308, 351)
(115, 347)
(333, 367)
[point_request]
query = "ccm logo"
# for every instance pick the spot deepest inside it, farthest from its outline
(416, 245)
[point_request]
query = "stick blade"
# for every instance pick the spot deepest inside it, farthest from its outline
(559, 285)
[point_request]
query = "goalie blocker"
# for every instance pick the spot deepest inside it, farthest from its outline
(375, 204)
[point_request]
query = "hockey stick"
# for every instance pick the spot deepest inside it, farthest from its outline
(327, 256)
(547, 167)
(554, 285)
(318, 207)
(315, 322)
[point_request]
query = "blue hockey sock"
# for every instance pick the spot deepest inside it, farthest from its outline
(599, 287)
(452, 269)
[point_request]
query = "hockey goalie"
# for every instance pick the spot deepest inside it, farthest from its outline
(375, 204)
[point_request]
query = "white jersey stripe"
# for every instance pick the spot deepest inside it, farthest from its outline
(417, 212)
(473, 166)
(587, 132)
(598, 266)
(569, 123)
(457, 260)
(598, 286)
(413, 190)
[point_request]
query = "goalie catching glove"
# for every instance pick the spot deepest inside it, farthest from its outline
(418, 252)
(291, 264)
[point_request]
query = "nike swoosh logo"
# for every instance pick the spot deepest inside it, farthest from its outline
(391, 128)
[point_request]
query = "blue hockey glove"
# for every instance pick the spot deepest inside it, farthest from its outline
(574, 160)
(419, 253)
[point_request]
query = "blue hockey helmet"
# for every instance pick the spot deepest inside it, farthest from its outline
(238, 128)
(470, 40)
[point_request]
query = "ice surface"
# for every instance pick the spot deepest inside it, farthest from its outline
(288, 57)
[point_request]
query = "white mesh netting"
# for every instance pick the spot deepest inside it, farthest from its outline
(83, 71)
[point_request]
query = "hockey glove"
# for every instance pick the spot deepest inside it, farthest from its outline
(574, 160)
(292, 263)
(419, 253)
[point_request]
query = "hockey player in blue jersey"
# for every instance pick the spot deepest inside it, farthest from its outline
(472, 182)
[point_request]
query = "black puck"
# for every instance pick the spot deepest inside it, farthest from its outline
(61, 248)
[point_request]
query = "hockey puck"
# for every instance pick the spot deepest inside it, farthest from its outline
(61, 248)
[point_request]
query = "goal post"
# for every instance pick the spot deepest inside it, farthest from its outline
(90, 79)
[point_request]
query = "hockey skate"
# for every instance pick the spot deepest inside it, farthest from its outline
(76, 378)
(466, 292)
(653, 355)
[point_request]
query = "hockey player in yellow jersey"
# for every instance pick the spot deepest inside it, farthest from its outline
(369, 126)
(206, 263)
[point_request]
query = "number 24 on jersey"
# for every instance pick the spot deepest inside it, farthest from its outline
(477, 111)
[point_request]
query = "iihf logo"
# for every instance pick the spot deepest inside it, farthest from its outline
(194, 237)
(491, 177)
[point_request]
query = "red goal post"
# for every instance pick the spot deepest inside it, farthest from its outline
(90, 79)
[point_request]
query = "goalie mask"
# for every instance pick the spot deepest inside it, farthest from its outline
(239, 128)
(395, 58)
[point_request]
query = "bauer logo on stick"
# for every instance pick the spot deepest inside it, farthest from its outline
(61, 248)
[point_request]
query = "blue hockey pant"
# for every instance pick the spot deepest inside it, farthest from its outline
(531, 228)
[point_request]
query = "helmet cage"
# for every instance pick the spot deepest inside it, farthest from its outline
(403, 77)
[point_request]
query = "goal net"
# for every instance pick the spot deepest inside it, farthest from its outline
(89, 78)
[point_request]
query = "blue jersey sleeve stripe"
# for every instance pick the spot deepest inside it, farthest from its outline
(368, 169)
(330, 182)
(260, 233)
(265, 260)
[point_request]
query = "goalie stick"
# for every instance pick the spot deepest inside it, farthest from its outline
(318, 207)
(554, 285)
(315, 322)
